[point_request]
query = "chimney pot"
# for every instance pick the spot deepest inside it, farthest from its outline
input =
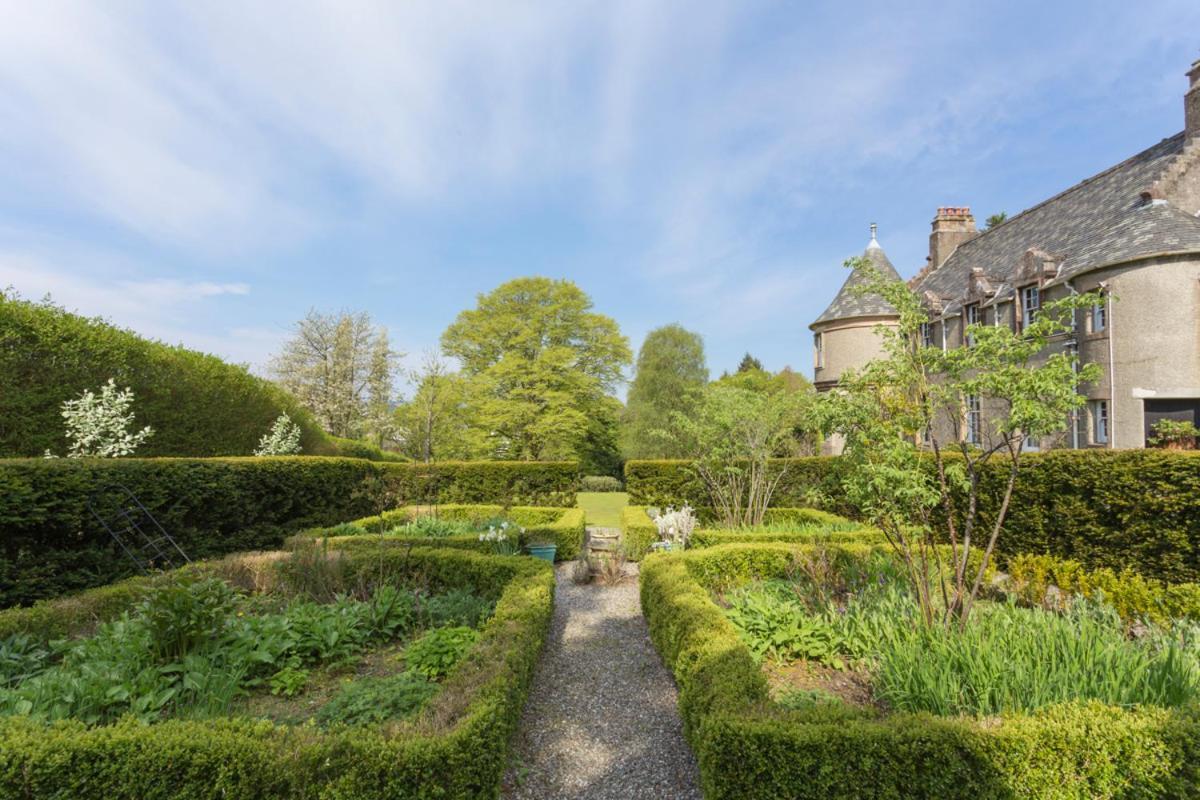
(952, 226)
(1191, 103)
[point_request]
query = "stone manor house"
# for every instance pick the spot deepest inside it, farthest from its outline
(1131, 232)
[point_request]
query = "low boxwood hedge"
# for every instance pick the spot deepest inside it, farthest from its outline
(751, 749)
(638, 531)
(1133, 596)
(1105, 508)
(51, 543)
(562, 526)
(455, 748)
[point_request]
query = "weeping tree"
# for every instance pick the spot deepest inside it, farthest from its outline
(905, 418)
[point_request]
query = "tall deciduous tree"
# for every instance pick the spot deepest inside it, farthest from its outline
(541, 363)
(670, 374)
(435, 424)
(920, 499)
(342, 368)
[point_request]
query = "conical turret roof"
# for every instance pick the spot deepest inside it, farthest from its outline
(850, 304)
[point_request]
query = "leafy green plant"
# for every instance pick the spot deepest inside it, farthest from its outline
(21, 656)
(434, 527)
(456, 607)
(182, 615)
(369, 701)
(778, 627)
(438, 651)
(289, 681)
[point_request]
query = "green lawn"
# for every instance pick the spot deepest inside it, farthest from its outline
(603, 508)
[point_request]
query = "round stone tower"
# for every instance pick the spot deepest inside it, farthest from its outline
(845, 336)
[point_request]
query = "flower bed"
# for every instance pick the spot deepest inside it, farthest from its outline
(750, 746)
(409, 714)
(638, 530)
(466, 527)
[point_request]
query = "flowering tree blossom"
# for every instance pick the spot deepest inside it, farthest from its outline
(282, 440)
(98, 425)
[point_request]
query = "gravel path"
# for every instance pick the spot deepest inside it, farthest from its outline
(601, 721)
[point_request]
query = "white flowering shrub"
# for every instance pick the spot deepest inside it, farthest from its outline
(498, 537)
(98, 424)
(282, 440)
(675, 526)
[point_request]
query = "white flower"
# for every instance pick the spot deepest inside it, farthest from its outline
(98, 425)
(282, 440)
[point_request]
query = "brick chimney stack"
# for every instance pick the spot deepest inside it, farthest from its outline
(1191, 104)
(952, 226)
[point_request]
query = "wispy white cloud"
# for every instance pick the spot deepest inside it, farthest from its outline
(697, 135)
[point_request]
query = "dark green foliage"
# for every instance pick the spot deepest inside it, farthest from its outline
(439, 651)
(456, 607)
(457, 748)
(197, 404)
(749, 363)
(1133, 508)
(600, 483)
(51, 544)
(369, 701)
(749, 749)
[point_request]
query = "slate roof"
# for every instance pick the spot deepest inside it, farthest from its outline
(1100, 221)
(848, 304)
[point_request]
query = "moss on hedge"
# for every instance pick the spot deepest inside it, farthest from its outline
(750, 749)
(455, 748)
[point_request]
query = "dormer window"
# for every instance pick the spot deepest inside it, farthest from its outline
(1031, 301)
(970, 317)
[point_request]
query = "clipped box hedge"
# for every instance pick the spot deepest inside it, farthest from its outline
(51, 544)
(455, 748)
(1105, 508)
(563, 527)
(750, 749)
(638, 531)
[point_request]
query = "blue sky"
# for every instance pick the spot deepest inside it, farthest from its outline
(205, 173)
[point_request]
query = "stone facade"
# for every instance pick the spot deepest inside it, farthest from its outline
(1131, 232)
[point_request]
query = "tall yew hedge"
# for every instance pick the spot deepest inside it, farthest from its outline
(50, 542)
(197, 404)
(1105, 508)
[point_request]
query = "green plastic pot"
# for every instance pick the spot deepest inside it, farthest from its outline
(543, 551)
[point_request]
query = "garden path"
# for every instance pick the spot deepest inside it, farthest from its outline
(601, 722)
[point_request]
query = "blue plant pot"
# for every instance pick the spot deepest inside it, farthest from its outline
(543, 551)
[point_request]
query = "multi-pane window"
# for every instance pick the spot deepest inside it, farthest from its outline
(927, 334)
(1031, 301)
(974, 419)
(970, 317)
(1100, 421)
(818, 350)
(1099, 316)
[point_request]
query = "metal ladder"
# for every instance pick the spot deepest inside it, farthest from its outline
(138, 533)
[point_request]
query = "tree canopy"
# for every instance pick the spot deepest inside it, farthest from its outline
(670, 374)
(540, 363)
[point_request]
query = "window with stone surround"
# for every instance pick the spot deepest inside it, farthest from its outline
(1031, 301)
(974, 419)
(970, 317)
(818, 350)
(1099, 422)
